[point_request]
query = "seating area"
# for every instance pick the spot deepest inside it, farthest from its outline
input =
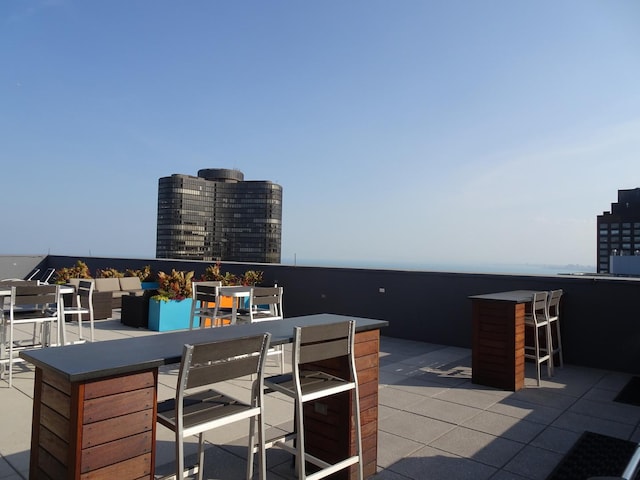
(431, 417)
(118, 287)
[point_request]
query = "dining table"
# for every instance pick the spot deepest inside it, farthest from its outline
(497, 346)
(237, 294)
(94, 407)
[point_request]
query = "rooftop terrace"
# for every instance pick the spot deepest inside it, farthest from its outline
(433, 422)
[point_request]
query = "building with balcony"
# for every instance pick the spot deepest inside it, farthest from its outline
(619, 229)
(219, 216)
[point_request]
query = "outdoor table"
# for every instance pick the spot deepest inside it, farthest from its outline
(236, 293)
(94, 404)
(497, 346)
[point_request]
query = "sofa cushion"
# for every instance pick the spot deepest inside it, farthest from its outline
(130, 283)
(107, 285)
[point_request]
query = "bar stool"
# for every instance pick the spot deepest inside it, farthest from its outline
(194, 411)
(83, 305)
(538, 320)
(308, 382)
(553, 312)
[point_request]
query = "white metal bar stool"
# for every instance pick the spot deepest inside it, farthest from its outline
(316, 344)
(538, 321)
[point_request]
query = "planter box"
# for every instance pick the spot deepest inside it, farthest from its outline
(171, 315)
(149, 285)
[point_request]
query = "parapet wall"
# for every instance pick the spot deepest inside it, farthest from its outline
(600, 324)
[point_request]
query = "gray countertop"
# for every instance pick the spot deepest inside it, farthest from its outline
(116, 357)
(517, 296)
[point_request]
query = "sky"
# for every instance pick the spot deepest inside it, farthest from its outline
(402, 132)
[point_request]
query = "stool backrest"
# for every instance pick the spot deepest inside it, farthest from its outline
(321, 342)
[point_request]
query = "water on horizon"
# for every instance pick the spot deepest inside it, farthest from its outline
(507, 268)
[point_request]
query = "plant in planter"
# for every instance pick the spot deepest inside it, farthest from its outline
(170, 308)
(144, 274)
(248, 278)
(251, 277)
(174, 286)
(79, 270)
(109, 273)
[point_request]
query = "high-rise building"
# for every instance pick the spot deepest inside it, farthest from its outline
(219, 215)
(619, 229)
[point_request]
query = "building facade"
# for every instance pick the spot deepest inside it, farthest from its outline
(619, 229)
(219, 216)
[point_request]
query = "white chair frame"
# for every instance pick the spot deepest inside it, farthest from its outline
(204, 294)
(83, 306)
(315, 344)
(38, 305)
(203, 410)
(538, 320)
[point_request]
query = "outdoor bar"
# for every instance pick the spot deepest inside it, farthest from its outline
(94, 410)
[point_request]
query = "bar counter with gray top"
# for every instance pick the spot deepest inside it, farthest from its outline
(94, 411)
(498, 338)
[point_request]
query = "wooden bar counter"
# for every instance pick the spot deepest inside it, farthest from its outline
(94, 408)
(498, 338)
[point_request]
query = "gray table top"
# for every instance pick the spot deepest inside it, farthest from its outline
(90, 361)
(517, 296)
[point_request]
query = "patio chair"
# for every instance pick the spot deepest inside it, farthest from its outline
(308, 383)
(194, 411)
(553, 311)
(83, 306)
(265, 304)
(538, 323)
(205, 297)
(36, 305)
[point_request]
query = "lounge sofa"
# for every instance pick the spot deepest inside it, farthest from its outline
(119, 287)
(101, 301)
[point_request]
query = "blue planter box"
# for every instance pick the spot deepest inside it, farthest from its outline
(150, 285)
(171, 315)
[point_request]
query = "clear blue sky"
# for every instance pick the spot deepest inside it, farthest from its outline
(468, 131)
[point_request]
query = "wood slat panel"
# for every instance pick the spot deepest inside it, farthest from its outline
(54, 445)
(366, 376)
(56, 400)
(114, 385)
(137, 467)
(57, 381)
(49, 467)
(498, 344)
(365, 362)
(366, 348)
(54, 422)
(369, 401)
(97, 433)
(114, 452)
(116, 405)
(371, 335)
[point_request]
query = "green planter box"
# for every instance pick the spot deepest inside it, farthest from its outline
(171, 315)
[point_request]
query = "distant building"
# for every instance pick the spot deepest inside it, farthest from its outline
(219, 215)
(619, 232)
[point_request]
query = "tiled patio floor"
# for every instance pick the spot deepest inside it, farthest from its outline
(433, 422)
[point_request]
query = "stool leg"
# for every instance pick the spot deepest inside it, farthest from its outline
(559, 348)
